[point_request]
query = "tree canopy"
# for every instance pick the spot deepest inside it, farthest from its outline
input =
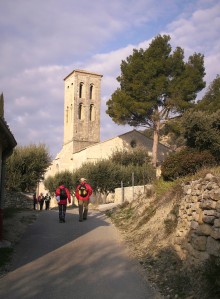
(26, 166)
(211, 100)
(155, 84)
(202, 131)
(51, 183)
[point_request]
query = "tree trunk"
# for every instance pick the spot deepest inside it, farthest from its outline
(155, 143)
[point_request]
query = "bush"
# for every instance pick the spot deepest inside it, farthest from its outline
(202, 131)
(185, 162)
(137, 156)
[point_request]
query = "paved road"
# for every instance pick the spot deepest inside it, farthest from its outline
(82, 260)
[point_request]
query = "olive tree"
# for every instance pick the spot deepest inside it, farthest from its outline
(26, 167)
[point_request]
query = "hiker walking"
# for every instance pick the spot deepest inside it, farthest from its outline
(41, 201)
(83, 193)
(35, 201)
(47, 201)
(62, 195)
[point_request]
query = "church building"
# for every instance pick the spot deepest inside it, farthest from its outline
(81, 143)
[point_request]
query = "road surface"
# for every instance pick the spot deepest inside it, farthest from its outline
(82, 260)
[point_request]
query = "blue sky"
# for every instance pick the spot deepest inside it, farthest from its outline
(43, 41)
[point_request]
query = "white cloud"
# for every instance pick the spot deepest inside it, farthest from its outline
(43, 41)
(199, 33)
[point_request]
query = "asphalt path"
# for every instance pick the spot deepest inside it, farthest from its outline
(82, 260)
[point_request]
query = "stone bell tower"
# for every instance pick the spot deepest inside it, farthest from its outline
(82, 100)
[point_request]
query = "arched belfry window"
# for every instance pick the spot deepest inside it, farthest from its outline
(91, 113)
(81, 111)
(91, 91)
(81, 90)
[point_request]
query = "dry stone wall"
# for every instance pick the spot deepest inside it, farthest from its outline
(198, 231)
(18, 200)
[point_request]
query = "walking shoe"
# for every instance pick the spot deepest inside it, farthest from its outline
(60, 221)
(80, 220)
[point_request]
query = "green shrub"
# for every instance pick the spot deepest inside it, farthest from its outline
(202, 131)
(161, 187)
(137, 156)
(185, 162)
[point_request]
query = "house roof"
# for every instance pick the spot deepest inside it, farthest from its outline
(161, 144)
(7, 138)
(121, 135)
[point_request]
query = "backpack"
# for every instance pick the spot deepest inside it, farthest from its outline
(63, 194)
(83, 192)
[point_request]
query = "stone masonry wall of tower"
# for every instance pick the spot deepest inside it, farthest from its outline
(82, 100)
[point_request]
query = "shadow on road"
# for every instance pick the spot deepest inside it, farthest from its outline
(46, 234)
(73, 260)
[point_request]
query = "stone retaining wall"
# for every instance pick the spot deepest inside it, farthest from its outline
(18, 200)
(198, 230)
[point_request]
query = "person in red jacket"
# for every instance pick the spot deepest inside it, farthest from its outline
(83, 193)
(62, 195)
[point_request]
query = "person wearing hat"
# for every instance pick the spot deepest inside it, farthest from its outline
(83, 193)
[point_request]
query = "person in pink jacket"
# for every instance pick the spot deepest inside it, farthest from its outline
(62, 196)
(83, 193)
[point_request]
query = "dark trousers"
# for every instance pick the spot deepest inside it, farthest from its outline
(62, 211)
(41, 205)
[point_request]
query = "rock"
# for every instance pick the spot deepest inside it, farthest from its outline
(216, 233)
(208, 219)
(209, 177)
(204, 230)
(199, 242)
(208, 204)
(217, 223)
(213, 247)
(194, 225)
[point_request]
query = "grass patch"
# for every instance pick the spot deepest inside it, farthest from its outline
(201, 173)
(121, 215)
(161, 187)
(5, 256)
